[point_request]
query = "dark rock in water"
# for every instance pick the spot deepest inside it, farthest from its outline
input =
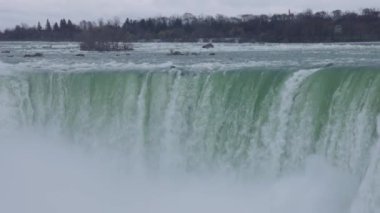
(6, 51)
(172, 52)
(212, 54)
(184, 73)
(33, 55)
(207, 46)
(80, 55)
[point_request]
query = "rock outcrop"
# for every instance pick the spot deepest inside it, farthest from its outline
(208, 46)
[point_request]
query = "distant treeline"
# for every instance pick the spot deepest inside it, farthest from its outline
(308, 26)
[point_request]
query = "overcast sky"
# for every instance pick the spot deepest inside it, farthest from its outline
(14, 12)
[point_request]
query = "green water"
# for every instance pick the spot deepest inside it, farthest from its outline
(228, 119)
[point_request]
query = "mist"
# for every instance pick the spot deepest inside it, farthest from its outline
(41, 174)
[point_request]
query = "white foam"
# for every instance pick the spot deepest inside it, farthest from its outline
(5, 69)
(46, 65)
(111, 65)
(249, 47)
(59, 57)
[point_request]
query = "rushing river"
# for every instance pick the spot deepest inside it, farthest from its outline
(266, 128)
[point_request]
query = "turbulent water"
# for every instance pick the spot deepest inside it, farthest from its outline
(266, 128)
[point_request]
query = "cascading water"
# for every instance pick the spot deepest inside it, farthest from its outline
(244, 140)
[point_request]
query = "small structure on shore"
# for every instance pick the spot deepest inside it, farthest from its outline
(103, 46)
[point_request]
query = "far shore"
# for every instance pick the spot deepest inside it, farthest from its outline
(210, 41)
(304, 27)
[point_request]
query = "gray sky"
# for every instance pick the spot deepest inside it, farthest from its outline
(14, 12)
